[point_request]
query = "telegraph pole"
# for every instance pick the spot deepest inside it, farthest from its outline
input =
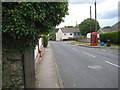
(90, 28)
(90, 19)
(95, 18)
(76, 24)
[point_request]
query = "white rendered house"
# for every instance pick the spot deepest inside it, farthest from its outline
(67, 33)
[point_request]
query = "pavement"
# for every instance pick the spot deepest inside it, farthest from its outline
(47, 74)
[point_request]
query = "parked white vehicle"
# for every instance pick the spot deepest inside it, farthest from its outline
(89, 35)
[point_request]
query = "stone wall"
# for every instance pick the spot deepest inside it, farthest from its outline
(12, 69)
(85, 40)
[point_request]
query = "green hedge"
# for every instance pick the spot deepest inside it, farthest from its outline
(82, 36)
(112, 36)
(23, 22)
(45, 41)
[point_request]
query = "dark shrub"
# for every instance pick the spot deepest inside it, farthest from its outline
(45, 41)
(112, 36)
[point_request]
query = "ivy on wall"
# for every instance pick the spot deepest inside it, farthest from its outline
(22, 22)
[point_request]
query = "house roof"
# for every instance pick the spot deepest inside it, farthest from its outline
(116, 27)
(113, 28)
(105, 30)
(68, 30)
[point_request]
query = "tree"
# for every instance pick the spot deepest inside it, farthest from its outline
(52, 34)
(69, 26)
(24, 21)
(107, 27)
(84, 26)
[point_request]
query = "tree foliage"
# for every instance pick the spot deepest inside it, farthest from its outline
(52, 34)
(107, 27)
(23, 22)
(45, 40)
(84, 26)
(69, 27)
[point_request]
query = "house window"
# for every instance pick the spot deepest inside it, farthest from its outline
(78, 33)
(70, 33)
(74, 33)
(65, 34)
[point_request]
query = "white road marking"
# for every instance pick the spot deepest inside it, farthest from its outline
(95, 67)
(89, 54)
(112, 63)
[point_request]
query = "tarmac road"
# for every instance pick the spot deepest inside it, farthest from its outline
(84, 67)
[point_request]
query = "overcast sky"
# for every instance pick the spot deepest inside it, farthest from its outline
(107, 12)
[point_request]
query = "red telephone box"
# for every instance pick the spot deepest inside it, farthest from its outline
(94, 39)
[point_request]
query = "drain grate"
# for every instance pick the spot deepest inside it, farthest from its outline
(95, 67)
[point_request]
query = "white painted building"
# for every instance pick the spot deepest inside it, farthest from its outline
(67, 33)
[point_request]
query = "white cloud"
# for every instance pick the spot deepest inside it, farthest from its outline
(108, 5)
(108, 22)
(85, 1)
(80, 9)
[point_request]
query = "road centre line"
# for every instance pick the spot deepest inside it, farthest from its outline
(89, 54)
(112, 63)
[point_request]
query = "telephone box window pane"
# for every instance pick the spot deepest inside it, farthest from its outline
(94, 39)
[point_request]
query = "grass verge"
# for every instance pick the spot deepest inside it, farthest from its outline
(78, 42)
(99, 44)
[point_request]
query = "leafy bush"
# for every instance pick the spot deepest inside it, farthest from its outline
(112, 36)
(52, 36)
(22, 22)
(82, 36)
(45, 41)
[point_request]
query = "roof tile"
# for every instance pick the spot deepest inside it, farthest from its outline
(68, 30)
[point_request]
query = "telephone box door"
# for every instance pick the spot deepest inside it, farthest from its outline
(94, 39)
